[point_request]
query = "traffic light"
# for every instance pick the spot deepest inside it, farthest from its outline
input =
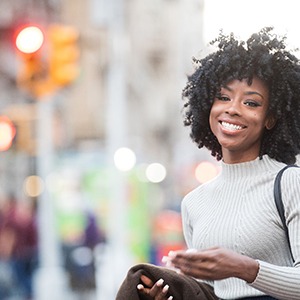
(63, 54)
(7, 133)
(29, 41)
(48, 58)
(32, 74)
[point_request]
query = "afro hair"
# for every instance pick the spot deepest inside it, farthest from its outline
(263, 55)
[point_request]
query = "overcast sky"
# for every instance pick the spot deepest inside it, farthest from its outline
(246, 17)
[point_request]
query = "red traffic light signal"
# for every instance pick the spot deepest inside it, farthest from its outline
(42, 70)
(7, 133)
(29, 39)
(32, 75)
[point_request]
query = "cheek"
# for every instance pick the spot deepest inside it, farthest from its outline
(212, 120)
(260, 120)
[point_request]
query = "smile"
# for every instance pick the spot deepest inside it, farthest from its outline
(230, 126)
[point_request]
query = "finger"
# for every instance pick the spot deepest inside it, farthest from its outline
(165, 289)
(163, 294)
(147, 281)
(157, 288)
(186, 258)
(185, 266)
(167, 261)
(142, 289)
(191, 250)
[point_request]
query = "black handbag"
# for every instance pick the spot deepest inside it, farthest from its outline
(279, 204)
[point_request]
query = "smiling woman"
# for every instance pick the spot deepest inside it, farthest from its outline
(238, 118)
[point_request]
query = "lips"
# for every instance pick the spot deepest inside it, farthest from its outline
(231, 126)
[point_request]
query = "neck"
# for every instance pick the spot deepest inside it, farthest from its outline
(235, 158)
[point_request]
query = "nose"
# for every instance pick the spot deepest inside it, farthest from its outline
(233, 108)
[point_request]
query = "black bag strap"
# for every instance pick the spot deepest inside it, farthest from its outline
(279, 203)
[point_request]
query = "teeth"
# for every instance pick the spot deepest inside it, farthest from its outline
(231, 126)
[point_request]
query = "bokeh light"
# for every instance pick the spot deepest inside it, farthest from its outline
(206, 171)
(7, 133)
(156, 172)
(124, 159)
(33, 186)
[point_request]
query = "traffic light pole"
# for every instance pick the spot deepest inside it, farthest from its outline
(40, 78)
(50, 279)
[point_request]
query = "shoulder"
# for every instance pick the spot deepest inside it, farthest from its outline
(291, 173)
(289, 176)
(291, 179)
(290, 185)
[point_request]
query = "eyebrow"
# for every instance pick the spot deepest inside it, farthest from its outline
(247, 93)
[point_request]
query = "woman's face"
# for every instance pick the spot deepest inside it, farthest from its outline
(238, 118)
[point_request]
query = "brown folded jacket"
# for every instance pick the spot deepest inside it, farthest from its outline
(181, 287)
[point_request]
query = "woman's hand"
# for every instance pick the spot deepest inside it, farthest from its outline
(213, 264)
(156, 291)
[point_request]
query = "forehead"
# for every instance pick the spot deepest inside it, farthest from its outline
(255, 85)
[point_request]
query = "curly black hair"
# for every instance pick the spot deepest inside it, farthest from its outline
(263, 55)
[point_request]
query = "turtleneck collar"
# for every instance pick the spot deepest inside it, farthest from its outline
(250, 168)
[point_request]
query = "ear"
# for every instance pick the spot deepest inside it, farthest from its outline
(270, 122)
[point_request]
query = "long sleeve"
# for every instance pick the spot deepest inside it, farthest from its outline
(279, 282)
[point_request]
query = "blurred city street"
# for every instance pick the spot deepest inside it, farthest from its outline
(94, 157)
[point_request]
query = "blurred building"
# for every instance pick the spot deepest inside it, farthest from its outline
(157, 43)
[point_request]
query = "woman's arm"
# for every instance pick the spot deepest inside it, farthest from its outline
(219, 263)
(214, 264)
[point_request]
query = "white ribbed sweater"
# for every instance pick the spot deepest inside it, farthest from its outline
(236, 210)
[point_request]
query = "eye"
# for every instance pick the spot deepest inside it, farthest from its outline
(252, 103)
(223, 98)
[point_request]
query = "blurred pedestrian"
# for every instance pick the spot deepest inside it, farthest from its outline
(25, 252)
(19, 219)
(7, 242)
(93, 233)
(80, 257)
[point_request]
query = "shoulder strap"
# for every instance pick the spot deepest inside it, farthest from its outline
(278, 201)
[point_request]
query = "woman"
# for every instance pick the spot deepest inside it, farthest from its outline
(243, 104)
